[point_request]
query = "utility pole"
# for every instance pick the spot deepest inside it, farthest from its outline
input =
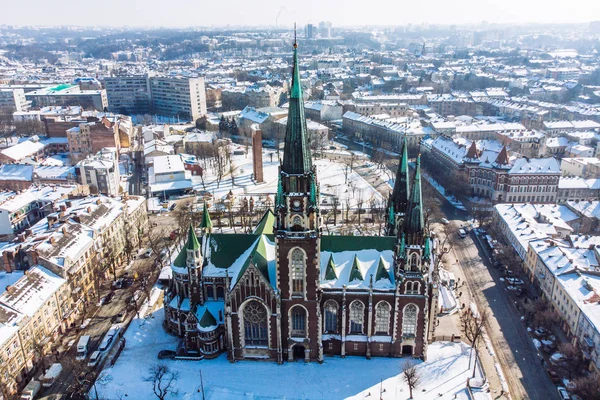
(202, 386)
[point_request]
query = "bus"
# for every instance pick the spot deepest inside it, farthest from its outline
(82, 347)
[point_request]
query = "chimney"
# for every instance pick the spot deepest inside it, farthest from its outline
(89, 210)
(98, 201)
(29, 231)
(51, 220)
(51, 240)
(10, 289)
(21, 237)
(63, 207)
(68, 203)
(64, 230)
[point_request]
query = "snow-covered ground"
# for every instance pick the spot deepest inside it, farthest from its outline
(331, 176)
(442, 376)
(451, 199)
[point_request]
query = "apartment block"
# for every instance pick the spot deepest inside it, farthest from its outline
(178, 97)
(128, 94)
(13, 99)
(100, 172)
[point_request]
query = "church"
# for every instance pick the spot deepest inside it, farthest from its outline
(287, 292)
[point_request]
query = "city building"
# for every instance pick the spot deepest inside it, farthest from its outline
(100, 172)
(13, 99)
(129, 95)
(285, 292)
(68, 95)
(88, 138)
(584, 167)
(180, 97)
(167, 176)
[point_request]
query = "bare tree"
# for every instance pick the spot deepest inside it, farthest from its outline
(411, 376)
(472, 324)
(359, 205)
(587, 386)
(335, 207)
(163, 380)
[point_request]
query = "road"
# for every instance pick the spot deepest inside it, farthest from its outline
(514, 349)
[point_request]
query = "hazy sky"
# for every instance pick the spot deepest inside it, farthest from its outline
(184, 13)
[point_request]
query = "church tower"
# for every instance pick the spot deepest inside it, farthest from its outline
(398, 200)
(298, 231)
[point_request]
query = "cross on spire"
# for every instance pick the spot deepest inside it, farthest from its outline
(295, 41)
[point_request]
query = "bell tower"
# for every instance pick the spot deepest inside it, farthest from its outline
(298, 231)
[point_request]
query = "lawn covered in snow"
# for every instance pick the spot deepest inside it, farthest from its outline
(331, 176)
(444, 373)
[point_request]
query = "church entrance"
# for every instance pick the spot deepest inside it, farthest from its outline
(407, 350)
(298, 352)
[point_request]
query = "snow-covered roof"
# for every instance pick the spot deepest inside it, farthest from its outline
(16, 172)
(535, 166)
(168, 164)
(23, 150)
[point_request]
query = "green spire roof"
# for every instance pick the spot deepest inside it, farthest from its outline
(192, 240)
(415, 221)
(207, 320)
(401, 185)
(313, 193)
(279, 196)
(381, 271)
(330, 271)
(402, 245)
(391, 215)
(206, 223)
(427, 250)
(180, 261)
(266, 224)
(355, 271)
(296, 152)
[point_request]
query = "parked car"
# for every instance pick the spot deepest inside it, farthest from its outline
(148, 253)
(444, 221)
(166, 354)
(173, 234)
(553, 376)
(118, 284)
(540, 332)
(106, 299)
(163, 252)
(94, 358)
(515, 281)
(562, 392)
(462, 233)
(557, 359)
(120, 317)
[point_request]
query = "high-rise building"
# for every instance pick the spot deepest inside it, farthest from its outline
(310, 31)
(128, 94)
(13, 99)
(178, 96)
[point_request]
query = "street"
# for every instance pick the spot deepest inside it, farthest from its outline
(514, 349)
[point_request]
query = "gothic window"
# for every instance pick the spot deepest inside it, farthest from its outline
(220, 292)
(298, 322)
(414, 262)
(382, 318)
(297, 271)
(210, 293)
(409, 320)
(297, 222)
(331, 311)
(357, 316)
(255, 324)
(412, 288)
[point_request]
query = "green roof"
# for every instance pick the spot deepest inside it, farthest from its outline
(381, 271)
(207, 320)
(266, 224)
(355, 271)
(192, 240)
(337, 244)
(415, 221)
(227, 247)
(206, 223)
(64, 86)
(296, 152)
(401, 185)
(330, 271)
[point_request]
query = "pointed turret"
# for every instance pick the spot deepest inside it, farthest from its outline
(381, 271)
(330, 273)
(355, 271)
(206, 224)
(472, 152)
(192, 240)
(296, 153)
(502, 159)
(208, 321)
(401, 185)
(415, 221)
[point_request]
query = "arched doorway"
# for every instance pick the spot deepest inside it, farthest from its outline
(298, 352)
(407, 350)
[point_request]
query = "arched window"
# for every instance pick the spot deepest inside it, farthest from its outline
(220, 292)
(297, 221)
(409, 320)
(414, 262)
(255, 324)
(210, 292)
(382, 318)
(412, 288)
(298, 322)
(357, 317)
(297, 272)
(331, 311)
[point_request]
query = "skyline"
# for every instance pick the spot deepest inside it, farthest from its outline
(269, 13)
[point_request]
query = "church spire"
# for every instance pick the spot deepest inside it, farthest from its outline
(415, 222)
(401, 185)
(296, 155)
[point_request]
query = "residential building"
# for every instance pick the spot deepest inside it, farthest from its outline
(167, 176)
(100, 172)
(178, 96)
(13, 99)
(585, 167)
(129, 95)
(89, 138)
(575, 188)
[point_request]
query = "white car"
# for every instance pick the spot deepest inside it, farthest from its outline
(562, 392)
(444, 221)
(94, 358)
